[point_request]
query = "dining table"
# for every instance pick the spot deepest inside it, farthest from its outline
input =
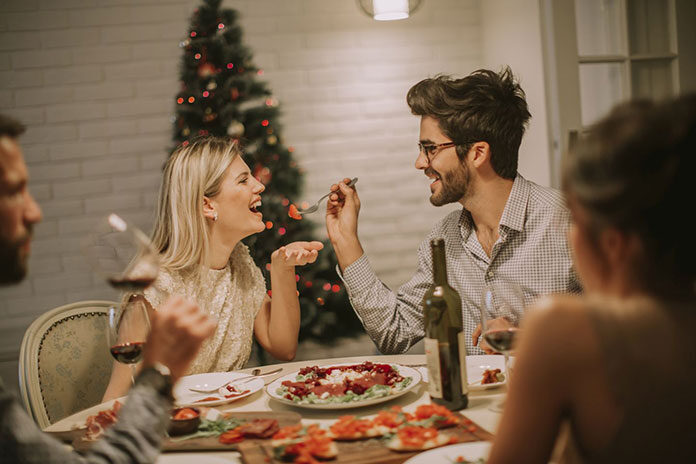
(479, 408)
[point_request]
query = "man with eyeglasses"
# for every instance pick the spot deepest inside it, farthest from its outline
(509, 230)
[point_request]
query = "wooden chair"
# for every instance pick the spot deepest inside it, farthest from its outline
(64, 361)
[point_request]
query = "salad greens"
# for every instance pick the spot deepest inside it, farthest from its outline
(212, 428)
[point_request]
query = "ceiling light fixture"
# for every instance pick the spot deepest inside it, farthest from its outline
(389, 10)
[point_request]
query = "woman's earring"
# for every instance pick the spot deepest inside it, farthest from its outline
(215, 216)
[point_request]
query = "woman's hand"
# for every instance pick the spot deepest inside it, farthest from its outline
(296, 254)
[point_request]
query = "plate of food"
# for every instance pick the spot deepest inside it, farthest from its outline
(486, 371)
(343, 386)
(464, 453)
(228, 392)
(483, 371)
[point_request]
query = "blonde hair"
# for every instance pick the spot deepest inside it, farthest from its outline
(192, 172)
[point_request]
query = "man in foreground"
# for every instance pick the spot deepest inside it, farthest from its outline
(178, 330)
(509, 230)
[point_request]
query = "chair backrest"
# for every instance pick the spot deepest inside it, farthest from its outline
(64, 361)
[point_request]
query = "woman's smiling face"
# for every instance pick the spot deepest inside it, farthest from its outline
(238, 201)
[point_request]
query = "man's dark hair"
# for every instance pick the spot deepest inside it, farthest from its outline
(483, 106)
(10, 127)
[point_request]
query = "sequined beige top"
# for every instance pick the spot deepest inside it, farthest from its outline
(233, 295)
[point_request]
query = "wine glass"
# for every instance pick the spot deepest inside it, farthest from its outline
(128, 327)
(123, 255)
(501, 309)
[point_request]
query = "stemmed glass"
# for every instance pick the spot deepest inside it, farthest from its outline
(501, 299)
(123, 255)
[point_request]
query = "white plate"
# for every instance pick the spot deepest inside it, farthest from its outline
(185, 397)
(475, 365)
(403, 370)
(447, 454)
(79, 419)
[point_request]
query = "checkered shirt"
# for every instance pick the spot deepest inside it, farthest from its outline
(532, 251)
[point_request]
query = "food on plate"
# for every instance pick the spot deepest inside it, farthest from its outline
(259, 428)
(231, 391)
(435, 415)
(226, 392)
(184, 414)
(416, 438)
(492, 376)
(387, 421)
(302, 444)
(353, 428)
(213, 428)
(233, 430)
(97, 424)
(292, 432)
(463, 460)
(307, 449)
(341, 384)
(402, 431)
(231, 436)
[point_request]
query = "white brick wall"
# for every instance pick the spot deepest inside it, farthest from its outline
(94, 81)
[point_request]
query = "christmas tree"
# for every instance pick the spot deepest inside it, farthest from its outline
(221, 94)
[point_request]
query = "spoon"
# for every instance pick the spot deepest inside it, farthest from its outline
(315, 206)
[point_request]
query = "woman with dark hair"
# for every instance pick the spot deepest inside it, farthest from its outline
(618, 365)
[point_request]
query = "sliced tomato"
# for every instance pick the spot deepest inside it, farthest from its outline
(230, 437)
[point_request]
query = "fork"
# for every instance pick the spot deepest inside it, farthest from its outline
(315, 206)
(255, 374)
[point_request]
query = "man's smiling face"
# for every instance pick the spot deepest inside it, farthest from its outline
(451, 178)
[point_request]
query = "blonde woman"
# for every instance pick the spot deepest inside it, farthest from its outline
(208, 203)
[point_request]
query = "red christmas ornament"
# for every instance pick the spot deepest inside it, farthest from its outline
(234, 93)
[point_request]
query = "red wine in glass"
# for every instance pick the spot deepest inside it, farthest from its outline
(128, 353)
(131, 284)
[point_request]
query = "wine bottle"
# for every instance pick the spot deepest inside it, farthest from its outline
(445, 347)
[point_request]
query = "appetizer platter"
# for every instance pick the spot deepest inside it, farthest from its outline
(391, 436)
(190, 428)
(343, 386)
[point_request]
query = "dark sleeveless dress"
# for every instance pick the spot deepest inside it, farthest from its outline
(649, 352)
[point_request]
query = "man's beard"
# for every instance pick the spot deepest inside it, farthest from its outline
(454, 186)
(13, 263)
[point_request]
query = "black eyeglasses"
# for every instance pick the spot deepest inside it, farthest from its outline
(432, 149)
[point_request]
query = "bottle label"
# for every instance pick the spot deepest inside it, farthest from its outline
(432, 358)
(462, 362)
